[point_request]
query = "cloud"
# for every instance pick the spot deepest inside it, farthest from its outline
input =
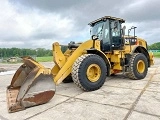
(142, 11)
(39, 23)
(18, 29)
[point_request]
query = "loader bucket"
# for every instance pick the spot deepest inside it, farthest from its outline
(31, 85)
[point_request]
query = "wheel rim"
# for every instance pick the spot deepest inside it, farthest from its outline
(93, 72)
(140, 66)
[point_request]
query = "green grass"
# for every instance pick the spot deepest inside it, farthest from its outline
(156, 54)
(50, 58)
(44, 59)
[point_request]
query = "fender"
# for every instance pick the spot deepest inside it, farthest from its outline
(141, 49)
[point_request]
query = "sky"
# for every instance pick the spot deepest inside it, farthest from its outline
(39, 23)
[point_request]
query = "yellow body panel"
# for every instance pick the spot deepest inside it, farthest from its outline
(128, 49)
(58, 55)
(115, 59)
(141, 42)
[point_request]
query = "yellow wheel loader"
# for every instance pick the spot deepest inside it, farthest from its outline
(87, 64)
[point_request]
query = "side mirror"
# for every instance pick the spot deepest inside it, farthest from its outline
(94, 37)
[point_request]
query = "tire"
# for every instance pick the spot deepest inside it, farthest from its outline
(89, 72)
(138, 66)
(68, 79)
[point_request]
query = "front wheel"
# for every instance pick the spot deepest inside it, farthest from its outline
(138, 66)
(89, 72)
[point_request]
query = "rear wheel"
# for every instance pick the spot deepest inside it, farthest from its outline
(138, 66)
(89, 72)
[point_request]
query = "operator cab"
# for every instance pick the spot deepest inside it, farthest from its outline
(108, 30)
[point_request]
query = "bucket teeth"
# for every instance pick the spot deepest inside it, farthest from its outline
(13, 105)
(31, 85)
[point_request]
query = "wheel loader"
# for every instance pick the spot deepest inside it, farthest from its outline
(87, 64)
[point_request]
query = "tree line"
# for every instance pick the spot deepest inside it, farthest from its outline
(155, 46)
(17, 52)
(40, 52)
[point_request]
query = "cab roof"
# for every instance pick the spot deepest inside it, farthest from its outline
(106, 17)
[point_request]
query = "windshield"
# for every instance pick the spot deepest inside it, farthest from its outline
(97, 29)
